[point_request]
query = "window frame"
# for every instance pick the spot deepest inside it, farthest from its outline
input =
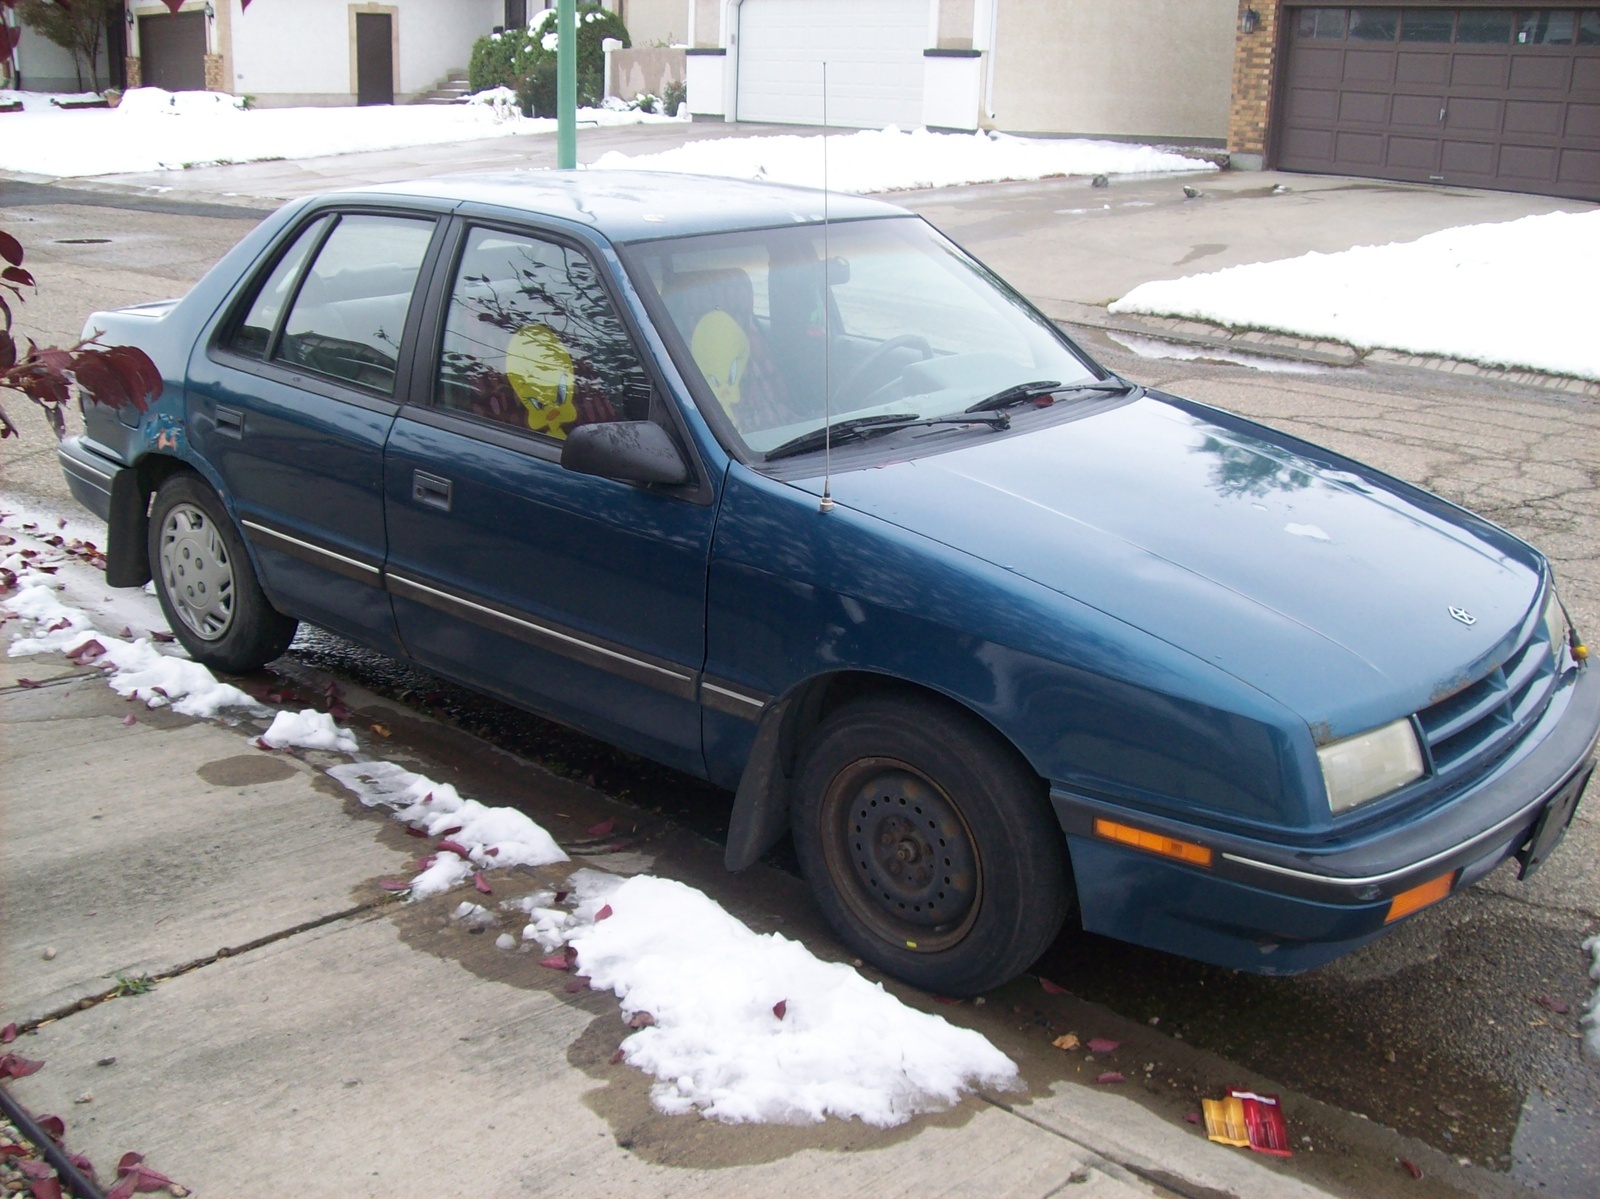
(421, 407)
(221, 351)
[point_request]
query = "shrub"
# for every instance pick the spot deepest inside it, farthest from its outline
(525, 59)
(492, 56)
(674, 94)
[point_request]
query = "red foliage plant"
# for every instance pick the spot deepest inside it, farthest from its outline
(116, 376)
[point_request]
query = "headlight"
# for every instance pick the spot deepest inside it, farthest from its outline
(1361, 768)
(1556, 626)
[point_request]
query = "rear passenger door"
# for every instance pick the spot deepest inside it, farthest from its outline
(577, 596)
(292, 400)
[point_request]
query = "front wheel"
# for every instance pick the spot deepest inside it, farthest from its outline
(929, 846)
(206, 584)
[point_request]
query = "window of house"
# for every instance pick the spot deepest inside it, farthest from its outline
(1589, 27)
(1546, 27)
(253, 337)
(532, 341)
(1374, 24)
(1484, 26)
(1427, 25)
(1321, 23)
(351, 308)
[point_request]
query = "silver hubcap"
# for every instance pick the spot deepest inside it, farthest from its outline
(196, 573)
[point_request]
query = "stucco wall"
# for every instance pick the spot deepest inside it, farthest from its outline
(1135, 68)
(47, 67)
(301, 51)
(656, 22)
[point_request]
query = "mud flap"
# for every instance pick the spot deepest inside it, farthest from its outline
(761, 804)
(127, 529)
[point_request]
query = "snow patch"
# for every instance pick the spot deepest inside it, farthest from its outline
(748, 1027)
(308, 729)
(1311, 531)
(1503, 294)
(878, 160)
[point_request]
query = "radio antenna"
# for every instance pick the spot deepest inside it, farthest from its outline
(826, 505)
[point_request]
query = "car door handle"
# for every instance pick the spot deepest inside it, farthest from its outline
(230, 422)
(430, 490)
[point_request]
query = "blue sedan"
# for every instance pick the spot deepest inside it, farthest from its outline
(823, 511)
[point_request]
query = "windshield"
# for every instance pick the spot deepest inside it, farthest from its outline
(913, 326)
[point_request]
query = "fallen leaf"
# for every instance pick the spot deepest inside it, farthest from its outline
(82, 1162)
(36, 1169)
(1549, 1003)
(1066, 1041)
(556, 961)
(1102, 1045)
(1053, 988)
(493, 851)
(416, 832)
(575, 985)
(63, 623)
(90, 651)
(604, 913)
(158, 635)
(8, 1034)
(603, 829)
(451, 831)
(641, 1020)
(781, 1008)
(14, 1065)
(1446, 1109)
(14, 1151)
(394, 884)
(561, 896)
(379, 730)
(1192, 1117)
(128, 1161)
(454, 847)
(30, 683)
(1111, 1076)
(1411, 1168)
(130, 720)
(481, 885)
(123, 1188)
(126, 634)
(616, 1057)
(54, 1126)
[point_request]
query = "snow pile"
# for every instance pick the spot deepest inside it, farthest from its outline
(308, 729)
(476, 837)
(153, 130)
(44, 101)
(1506, 294)
(1591, 1015)
(747, 1027)
(878, 160)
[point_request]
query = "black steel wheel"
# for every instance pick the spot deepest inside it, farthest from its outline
(929, 844)
(206, 584)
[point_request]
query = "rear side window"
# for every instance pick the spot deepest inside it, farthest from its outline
(253, 337)
(351, 306)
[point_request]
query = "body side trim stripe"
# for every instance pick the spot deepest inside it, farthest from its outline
(727, 698)
(351, 568)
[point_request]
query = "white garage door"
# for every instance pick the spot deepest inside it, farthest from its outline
(873, 49)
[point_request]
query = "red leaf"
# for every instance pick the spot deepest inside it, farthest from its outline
(15, 274)
(1192, 1117)
(556, 961)
(123, 1188)
(1053, 988)
(45, 1188)
(572, 955)
(416, 832)
(35, 1169)
(1101, 1045)
(1111, 1076)
(481, 886)
(10, 248)
(394, 884)
(781, 1008)
(603, 914)
(1558, 1006)
(493, 851)
(128, 1161)
(139, 376)
(451, 831)
(146, 1179)
(82, 1163)
(454, 847)
(90, 651)
(14, 1065)
(29, 683)
(63, 623)
(616, 1057)
(14, 1151)
(576, 985)
(157, 635)
(8, 1034)
(8, 351)
(1411, 1168)
(54, 1127)
(561, 896)
(604, 828)
(129, 720)
(641, 1020)
(426, 863)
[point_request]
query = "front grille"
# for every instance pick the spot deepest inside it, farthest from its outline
(1483, 720)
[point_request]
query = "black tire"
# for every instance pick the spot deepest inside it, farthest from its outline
(207, 585)
(890, 787)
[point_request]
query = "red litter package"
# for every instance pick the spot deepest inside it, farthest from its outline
(1263, 1121)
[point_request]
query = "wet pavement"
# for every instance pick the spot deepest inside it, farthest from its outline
(1439, 1030)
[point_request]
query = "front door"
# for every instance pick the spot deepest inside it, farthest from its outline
(293, 402)
(580, 597)
(374, 58)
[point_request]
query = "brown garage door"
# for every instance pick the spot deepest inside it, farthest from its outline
(172, 51)
(1478, 97)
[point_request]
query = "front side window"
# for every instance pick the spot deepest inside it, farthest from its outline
(531, 339)
(351, 308)
(878, 316)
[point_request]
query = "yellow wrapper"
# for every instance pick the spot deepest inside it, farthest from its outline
(1225, 1122)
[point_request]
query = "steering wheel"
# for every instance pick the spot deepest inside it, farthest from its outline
(875, 358)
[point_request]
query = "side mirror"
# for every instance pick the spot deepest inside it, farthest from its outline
(631, 451)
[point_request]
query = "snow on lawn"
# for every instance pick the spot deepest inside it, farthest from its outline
(877, 160)
(155, 130)
(749, 1027)
(1508, 294)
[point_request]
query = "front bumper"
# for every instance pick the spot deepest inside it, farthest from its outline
(1275, 909)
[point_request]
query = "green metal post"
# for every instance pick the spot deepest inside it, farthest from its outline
(566, 85)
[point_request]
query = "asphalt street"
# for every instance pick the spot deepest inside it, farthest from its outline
(1436, 1032)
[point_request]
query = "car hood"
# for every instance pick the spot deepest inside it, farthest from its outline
(1323, 583)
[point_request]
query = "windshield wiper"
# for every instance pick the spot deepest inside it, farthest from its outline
(1023, 392)
(867, 426)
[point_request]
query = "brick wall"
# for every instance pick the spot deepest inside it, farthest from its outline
(133, 70)
(1252, 78)
(214, 79)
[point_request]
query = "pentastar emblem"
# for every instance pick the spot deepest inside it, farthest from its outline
(1461, 614)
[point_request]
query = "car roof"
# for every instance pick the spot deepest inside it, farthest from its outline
(640, 205)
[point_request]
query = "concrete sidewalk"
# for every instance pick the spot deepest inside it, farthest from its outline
(310, 1034)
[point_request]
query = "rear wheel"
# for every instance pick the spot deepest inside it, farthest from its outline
(206, 584)
(929, 845)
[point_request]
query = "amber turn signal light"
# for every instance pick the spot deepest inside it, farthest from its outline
(1167, 847)
(1418, 898)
